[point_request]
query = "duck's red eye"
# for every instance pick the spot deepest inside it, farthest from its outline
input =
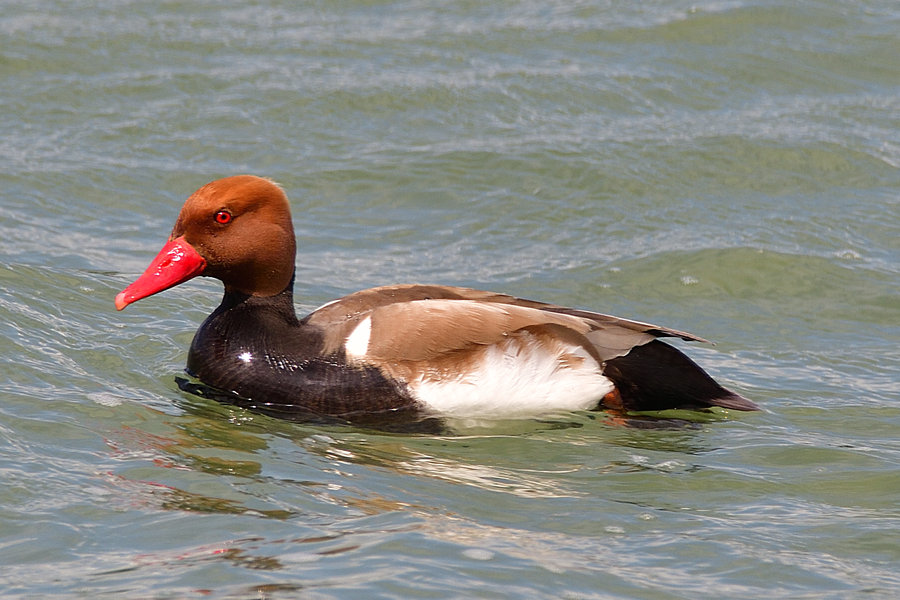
(223, 217)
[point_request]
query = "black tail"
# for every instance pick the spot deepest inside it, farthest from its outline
(657, 376)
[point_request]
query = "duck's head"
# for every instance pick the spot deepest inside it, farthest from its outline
(237, 229)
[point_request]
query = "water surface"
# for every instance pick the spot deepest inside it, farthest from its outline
(727, 168)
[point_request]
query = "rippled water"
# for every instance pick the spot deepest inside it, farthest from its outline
(730, 168)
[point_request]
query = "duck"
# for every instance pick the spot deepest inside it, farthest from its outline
(400, 352)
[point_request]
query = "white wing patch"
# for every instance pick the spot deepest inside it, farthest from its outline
(516, 378)
(357, 343)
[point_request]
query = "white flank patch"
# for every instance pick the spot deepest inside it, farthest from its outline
(357, 343)
(517, 378)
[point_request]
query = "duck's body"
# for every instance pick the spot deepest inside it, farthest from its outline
(400, 350)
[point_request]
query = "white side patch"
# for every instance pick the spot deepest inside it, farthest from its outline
(517, 378)
(357, 343)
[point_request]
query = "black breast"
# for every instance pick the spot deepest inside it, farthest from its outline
(254, 350)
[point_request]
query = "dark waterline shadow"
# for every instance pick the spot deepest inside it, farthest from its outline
(414, 422)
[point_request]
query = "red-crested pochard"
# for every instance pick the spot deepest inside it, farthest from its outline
(402, 349)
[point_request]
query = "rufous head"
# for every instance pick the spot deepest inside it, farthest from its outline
(237, 229)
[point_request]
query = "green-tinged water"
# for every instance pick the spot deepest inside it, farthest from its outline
(728, 168)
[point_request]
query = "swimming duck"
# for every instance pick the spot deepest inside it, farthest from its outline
(399, 351)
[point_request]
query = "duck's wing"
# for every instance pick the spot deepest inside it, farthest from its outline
(417, 332)
(466, 321)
